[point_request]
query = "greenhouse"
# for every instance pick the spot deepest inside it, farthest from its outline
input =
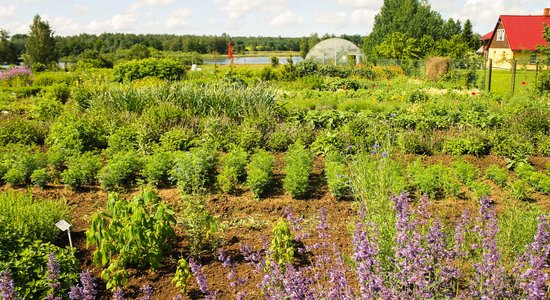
(336, 51)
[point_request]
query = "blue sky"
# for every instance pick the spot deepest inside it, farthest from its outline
(237, 17)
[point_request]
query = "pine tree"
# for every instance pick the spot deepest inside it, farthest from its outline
(40, 44)
(468, 35)
(8, 50)
(304, 47)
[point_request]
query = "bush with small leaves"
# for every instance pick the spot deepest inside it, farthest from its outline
(20, 162)
(435, 180)
(282, 247)
(466, 172)
(157, 168)
(337, 175)
(260, 172)
(193, 170)
(40, 177)
(82, 170)
(298, 167)
(122, 170)
(479, 188)
(176, 139)
(520, 190)
(497, 174)
(232, 169)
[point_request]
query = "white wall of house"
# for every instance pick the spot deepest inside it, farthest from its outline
(502, 58)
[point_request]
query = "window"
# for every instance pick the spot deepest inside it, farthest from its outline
(533, 59)
(500, 35)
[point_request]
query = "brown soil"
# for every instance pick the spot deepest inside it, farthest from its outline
(249, 221)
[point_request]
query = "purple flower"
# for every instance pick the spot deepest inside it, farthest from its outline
(118, 294)
(376, 146)
(76, 293)
(392, 115)
(533, 280)
(147, 291)
(53, 276)
(350, 147)
(178, 297)
(201, 279)
(86, 291)
(15, 72)
(7, 288)
(297, 284)
(234, 281)
(365, 255)
(384, 154)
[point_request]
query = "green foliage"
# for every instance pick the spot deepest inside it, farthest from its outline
(40, 177)
(176, 139)
(538, 180)
(233, 169)
(516, 147)
(182, 275)
(282, 247)
(121, 170)
(82, 170)
(267, 74)
(497, 174)
(40, 45)
(130, 233)
(434, 180)
(21, 130)
(20, 162)
(138, 51)
(260, 172)
(194, 170)
(51, 78)
(337, 175)
(151, 67)
(518, 225)
(47, 109)
(479, 189)
(519, 190)
(298, 168)
(157, 168)
(467, 142)
(203, 230)
(466, 172)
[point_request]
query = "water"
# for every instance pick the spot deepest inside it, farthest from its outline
(260, 60)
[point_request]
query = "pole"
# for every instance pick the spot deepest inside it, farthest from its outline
(513, 83)
(490, 75)
(70, 240)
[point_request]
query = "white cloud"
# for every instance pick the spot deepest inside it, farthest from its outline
(287, 18)
(140, 3)
(118, 23)
(363, 17)
(81, 8)
(372, 4)
(178, 19)
(237, 8)
(7, 12)
(336, 19)
(65, 26)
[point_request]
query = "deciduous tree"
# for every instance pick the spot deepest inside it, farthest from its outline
(40, 45)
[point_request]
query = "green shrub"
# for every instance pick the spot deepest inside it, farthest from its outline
(519, 190)
(82, 170)
(47, 109)
(517, 227)
(466, 172)
(282, 246)
(280, 138)
(203, 231)
(51, 78)
(124, 138)
(298, 167)
(233, 169)
(176, 139)
(497, 174)
(20, 162)
(157, 168)
(543, 146)
(539, 181)
(434, 180)
(260, 172)
(414, 142)
(193, 170)
(58, 91)
(19, 129)
(468, 142)
(151, 67)
(40, 177)
(479, 189)
(121, 170)
(130, 233)
(516, 147)
(337, 175)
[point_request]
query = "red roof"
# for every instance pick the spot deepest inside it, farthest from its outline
(486, 36)
(524, 32)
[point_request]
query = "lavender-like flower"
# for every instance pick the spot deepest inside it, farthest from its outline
(53, 276)
(178, 297)
(15, 72)
(534, 278)
(365, 255)
(118, 294)
(147, 291)
(339, 286)
(296, 224)
(7, 288)
(76, 293)
(87, 289)
(297, 284)
(201, 279)
(234, 281)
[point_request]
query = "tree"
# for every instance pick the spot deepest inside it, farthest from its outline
(8, 50)
(304, 47)
(138, 51)
(468, 35)
(40, 45)
(399, 45)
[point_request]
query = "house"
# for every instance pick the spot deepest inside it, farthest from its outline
(517, 38)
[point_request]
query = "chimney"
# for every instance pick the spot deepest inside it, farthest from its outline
(547, 12)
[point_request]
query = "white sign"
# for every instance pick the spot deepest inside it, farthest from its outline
(63, 225)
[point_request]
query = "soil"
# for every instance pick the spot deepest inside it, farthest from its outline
(249, 222)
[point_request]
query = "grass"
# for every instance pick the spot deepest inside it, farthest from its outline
(502, 81)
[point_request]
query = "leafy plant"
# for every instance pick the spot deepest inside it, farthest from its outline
(40, 177)
(182, 276)
(121, 170)
(497, 174)
(233, 169)
(130, 233)
(82, 170)
(282, 247)
(20, 162)
(157, 168)
(337, 175)
(466, 172)
(260, 172)
(193, 170)
(298, 167)
(479, 188)
(137, 69)
(203, 230)
(519, 190)
(434, 180)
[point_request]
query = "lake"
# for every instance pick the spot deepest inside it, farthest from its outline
(260, 60)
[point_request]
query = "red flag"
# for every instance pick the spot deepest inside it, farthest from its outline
(230, 51)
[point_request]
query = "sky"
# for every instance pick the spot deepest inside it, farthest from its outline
(287, 18)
